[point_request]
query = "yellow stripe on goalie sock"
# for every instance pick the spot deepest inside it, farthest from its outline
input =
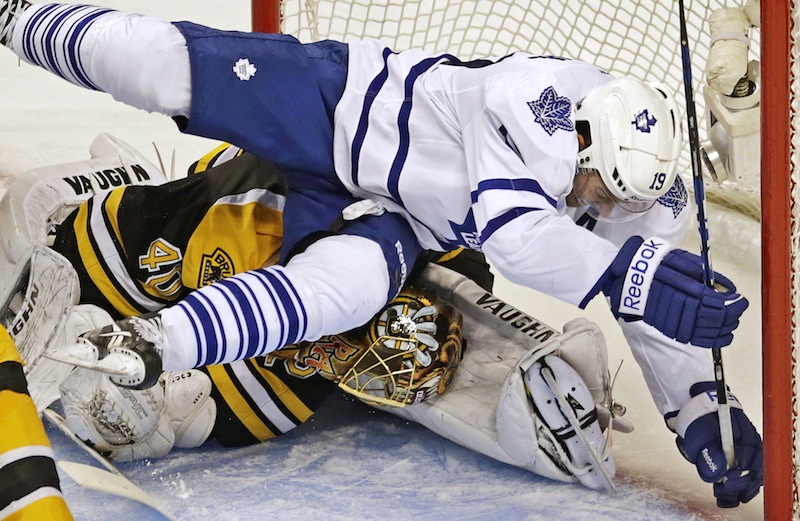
(20, 425)
(237, 403)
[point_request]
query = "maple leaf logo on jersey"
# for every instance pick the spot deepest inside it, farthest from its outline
(676, 198)
(244, 69)
(552, 111)
(644, 121)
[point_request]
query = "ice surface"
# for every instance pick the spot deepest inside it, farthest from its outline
(350, 462)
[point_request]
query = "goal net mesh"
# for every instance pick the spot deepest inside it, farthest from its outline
(624, 37)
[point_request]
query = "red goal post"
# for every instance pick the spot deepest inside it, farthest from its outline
(629, 37)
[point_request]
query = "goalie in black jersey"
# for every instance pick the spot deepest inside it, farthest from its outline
(124, 251)
(124, 242)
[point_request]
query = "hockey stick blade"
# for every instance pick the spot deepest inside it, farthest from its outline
(111, 480)
(101, 480)
(84, 355)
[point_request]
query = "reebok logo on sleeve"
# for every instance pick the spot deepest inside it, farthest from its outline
(640, 275)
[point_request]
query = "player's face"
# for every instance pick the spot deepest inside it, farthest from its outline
(589, 191)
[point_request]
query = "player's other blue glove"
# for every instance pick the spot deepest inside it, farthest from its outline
(697, 426)
(650, 280)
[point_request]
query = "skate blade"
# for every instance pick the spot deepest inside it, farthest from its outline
(85, 355)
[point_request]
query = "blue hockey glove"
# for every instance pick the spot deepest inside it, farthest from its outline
(651, 281)
(697, 426)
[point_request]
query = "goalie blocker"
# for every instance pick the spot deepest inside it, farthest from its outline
(523, 393)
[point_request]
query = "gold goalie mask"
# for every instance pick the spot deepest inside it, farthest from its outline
(406, 354)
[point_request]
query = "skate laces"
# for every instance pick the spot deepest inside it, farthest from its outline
(9, 12)
(149, 329)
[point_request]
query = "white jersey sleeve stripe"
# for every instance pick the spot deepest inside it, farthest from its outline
(526, 185)
(111, 256)
(494, 224)
(403, 117)
(363, 121)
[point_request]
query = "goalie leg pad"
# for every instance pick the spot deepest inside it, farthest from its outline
(586, 352)
(191, 409)
(570, 433)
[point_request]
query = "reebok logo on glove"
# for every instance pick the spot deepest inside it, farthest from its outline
(640, 275)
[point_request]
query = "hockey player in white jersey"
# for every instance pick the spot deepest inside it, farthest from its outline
(387, 153)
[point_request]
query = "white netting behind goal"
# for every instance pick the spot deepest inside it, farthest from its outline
(624, 37)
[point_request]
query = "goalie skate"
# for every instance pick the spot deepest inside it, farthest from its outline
(570, 433)
(127, 351)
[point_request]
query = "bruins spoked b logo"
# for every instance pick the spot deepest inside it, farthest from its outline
(215, 267)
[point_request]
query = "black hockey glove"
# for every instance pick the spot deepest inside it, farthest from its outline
(650, 280)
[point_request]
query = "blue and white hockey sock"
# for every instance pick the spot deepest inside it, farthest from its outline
(337, 284)
(110, 51)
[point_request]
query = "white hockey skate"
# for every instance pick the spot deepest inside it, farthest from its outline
(571, 429)
(129, 351)
(9, 12)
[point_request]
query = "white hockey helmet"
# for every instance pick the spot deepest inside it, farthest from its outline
(632, 134)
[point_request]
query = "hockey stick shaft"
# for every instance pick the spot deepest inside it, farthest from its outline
(725, 428)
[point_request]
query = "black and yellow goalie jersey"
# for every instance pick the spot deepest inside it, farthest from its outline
(139, 248)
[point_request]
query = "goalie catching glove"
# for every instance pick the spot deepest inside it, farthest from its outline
(651, 281)
(697, 426)
(125, 424)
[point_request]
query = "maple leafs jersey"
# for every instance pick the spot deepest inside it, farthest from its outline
(483, 155)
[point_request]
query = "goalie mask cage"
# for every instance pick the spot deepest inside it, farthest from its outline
(641, 39)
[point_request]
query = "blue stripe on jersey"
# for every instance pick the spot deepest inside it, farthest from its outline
(59, 49)
(205, 329)
(240, 351)
(288, 311)
(256, 330)
(493, 225)
(523, 185)
(363, 121)
(392, 184)
(270, 292)
(199, 360)
(216, 350)
(290, 287)
(27, 41)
